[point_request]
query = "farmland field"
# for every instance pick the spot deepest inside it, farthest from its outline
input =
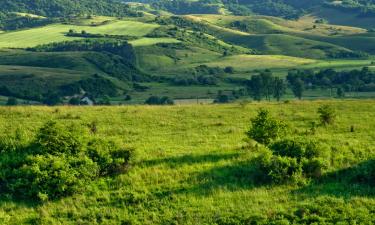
(56, 33)
(193, 164)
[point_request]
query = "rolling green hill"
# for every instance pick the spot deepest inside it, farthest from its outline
(166, 49)
(57, 33)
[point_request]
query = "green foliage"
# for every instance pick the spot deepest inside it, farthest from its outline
(49, 176)
(221, 98)
(186, 7)
(298, 149)
(292, 161)
(351, 80)
(264, 128)
(189, 159)
(12, 101)
(108, 156)
(13, 21)
(298, 87)
(266, 85)
(65, 8)
(59, 162)
(54, 138)
(155, 100)
(282, 169)
(327, 114)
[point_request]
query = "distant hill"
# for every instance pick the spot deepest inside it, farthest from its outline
(281, 8)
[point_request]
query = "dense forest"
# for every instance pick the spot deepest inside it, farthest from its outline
(61, 8)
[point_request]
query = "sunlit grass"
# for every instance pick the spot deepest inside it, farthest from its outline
(191, 165)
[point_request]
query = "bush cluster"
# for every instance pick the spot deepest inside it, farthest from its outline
(292, 160)
(286, 160)
(59, 162)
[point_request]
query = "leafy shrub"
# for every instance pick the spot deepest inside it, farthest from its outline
(297, 148)
(292, 161)
(108, 156)
(51, 176)
(54, 138)
(313, 167)
(327, 114)
(264, 128)
(59, 162)
(283, 169)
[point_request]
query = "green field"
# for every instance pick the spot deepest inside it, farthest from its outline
(248, 62)
(152, 41)
(56, 33)
(193, 166)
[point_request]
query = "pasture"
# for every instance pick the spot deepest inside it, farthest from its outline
(56, 33)
(194, 165)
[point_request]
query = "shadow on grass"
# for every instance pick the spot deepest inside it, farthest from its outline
(190, 159)
(355, 181)
(238, 175)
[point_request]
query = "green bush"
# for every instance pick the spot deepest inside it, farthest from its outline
(297, 149)
(50, 177)
(292, 161)
(314, 168)
(108, 156)
(264, 128)
(55, 138)
(282, 169)
(58, 163)
(327, 114)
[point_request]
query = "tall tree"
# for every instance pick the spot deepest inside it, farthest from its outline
(256, 87)
(267, 80)
(279, 88)
(298, 87)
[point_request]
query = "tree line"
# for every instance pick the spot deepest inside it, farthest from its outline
(66, 8)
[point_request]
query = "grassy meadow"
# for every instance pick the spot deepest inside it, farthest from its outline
(194, 165)
(56, 33)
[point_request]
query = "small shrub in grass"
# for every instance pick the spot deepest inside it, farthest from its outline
(327, 115)
(314, 168)
(292, 161)
(282, 169)
(108, 156)
(264, 128)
